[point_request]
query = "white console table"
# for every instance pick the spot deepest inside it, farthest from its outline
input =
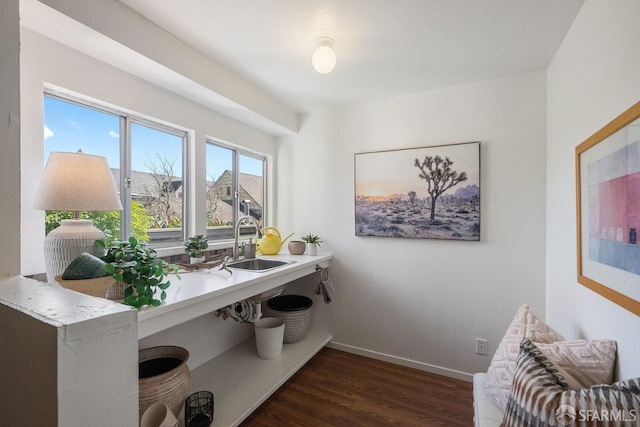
(81, 351)
(239, 379)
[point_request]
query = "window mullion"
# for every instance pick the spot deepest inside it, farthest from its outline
(188, 202)
(235, 190)
(125, 177)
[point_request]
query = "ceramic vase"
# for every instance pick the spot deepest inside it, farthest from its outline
(296, 247)
(163, 377)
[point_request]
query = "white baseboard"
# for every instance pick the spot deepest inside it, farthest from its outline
(451, 373)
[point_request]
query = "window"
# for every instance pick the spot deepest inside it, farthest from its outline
(146, 160)
(235, 187)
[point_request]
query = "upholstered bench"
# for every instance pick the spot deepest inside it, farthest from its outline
(569, 380)
(485, 412)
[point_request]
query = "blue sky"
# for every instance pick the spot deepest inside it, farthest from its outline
(69, 127)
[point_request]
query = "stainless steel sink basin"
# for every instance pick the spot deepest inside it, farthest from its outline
(258, 265)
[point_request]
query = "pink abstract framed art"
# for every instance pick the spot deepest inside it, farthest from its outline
(608, 210)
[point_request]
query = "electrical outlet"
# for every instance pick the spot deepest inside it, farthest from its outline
(482, 346)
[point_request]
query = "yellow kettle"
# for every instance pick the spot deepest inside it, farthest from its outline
(272, 242)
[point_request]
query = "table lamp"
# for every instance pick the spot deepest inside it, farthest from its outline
(74, 182)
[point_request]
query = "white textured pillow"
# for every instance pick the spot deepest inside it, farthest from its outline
(499, 380)
(582, 363)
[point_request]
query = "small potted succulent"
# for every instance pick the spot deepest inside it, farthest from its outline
(194, 247)
(313, 243)
(138, 267)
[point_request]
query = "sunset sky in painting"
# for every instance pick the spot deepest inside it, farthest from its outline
(385, 173)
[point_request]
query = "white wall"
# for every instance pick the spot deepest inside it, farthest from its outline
(45, 61)
(423, 302)
(68, 359)
(10, 136)
(594, 77)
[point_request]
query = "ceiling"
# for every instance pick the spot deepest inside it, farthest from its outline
(384, 48)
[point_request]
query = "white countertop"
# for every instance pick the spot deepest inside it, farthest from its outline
(196, 293)
(204, 291)
(54, 305)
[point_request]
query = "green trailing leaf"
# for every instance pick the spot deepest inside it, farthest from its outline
(138, 266)
(194, 246)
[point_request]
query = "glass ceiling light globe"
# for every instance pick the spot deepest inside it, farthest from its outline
(324, 58)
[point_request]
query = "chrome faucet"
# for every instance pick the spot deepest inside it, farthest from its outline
(236, 233)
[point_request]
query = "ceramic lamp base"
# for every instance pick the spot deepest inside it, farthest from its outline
(65, 243)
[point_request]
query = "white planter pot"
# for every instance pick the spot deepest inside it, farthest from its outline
(312, 249)
(269, 337)
(198, 260)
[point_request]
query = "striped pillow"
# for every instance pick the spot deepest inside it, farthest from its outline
(541, 397)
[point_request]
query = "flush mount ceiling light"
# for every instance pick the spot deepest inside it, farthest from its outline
(324, 58)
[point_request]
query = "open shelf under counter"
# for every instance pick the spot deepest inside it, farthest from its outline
(204, 291)
(241, 381)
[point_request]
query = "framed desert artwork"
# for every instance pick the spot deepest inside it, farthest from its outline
(424, 193)
(608, 210)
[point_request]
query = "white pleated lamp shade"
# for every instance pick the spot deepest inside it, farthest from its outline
(74, 182)
(77, 182)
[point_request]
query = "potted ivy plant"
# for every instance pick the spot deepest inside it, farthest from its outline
(194, 247)
(138, 267)
(313, 243)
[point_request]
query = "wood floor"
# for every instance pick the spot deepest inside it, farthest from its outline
(341, 389)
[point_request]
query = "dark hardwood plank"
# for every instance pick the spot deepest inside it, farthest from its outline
(336, 388)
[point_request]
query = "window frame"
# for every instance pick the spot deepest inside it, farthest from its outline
(238, 151)
(126, 120)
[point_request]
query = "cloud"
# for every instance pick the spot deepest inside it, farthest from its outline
(48, 133)
(114, 134)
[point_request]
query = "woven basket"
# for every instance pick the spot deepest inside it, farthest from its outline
(295, 310)
(169, 386)
(97, 287)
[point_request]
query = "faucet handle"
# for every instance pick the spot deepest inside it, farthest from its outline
(223, 266)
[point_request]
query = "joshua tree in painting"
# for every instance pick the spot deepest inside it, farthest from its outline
(439, 176)
(412, 197)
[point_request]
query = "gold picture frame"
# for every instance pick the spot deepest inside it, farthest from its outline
(608, 210)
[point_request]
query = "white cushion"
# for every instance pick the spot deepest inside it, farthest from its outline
(485, 411)
(499, 379)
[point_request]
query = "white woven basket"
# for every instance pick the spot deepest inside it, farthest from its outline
(296, 321)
